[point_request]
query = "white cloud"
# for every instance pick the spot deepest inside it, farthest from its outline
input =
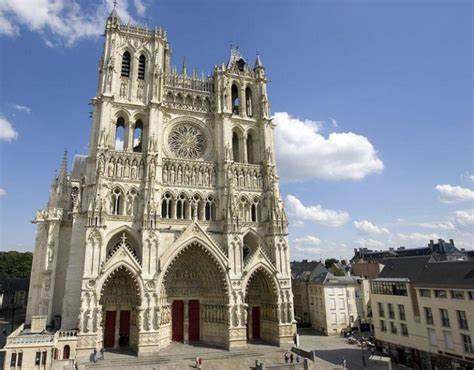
(65, 20)
(370, 243)
(368, 228)
(445, 226)
(304, 154)
(7, 132)
(22, 108)
(3, 192)
(454, 194)
(464, 221)
(315, 213)
(415, 240)
(307, 240)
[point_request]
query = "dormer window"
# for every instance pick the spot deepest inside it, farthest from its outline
(126, 64)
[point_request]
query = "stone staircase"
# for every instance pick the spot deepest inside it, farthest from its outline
(121, 361)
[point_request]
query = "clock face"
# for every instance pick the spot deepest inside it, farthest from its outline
(187, 141)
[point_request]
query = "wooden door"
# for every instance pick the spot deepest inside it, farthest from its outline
(109, 330)
(193, 320)
(124, 328)
(177, 320)
(255, 322)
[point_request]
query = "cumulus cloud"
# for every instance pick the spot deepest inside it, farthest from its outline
(308, 240)
(464, 221)
(22, 108)
(368, 228)
(3, 192)
(445, 226)
(370, 243)
(304, 154)
(64, 21)
(412, 239)
(454, 194)
(7, 132)
(315, 213)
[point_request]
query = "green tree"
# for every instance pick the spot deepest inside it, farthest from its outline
(329, 262)
(15, 264)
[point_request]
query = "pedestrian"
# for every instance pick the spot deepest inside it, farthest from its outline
(198, 362)
(344, 364)
(102, 351)
(94, 356)
(298, 359)
(291, 357)
(287, 357)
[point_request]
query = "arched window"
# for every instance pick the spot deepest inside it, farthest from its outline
(248, 102)
(66, 352)
(197, 208)
(117, 202)
(132, 202)
(119, 134)
(250, 244)
(235, 147)
(181, 208)
(126, 64)
(141, 67)
(255, 211)
(235, 99)
(250, 149)
(244, 211)
(138, 136)
(210, 209)
(166, 204)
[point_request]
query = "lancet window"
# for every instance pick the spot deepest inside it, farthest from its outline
(117, 202)
(138, 136)
(248, 102)
(126, 59)
(119, 134)
(141, 67)
(166, 206)
(235, 99)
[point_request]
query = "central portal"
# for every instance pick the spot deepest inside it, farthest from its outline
(179, 322)
(194, 286)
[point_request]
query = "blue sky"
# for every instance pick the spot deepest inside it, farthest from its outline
(382, 91)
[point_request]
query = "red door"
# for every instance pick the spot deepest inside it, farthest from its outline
(109, 330)
(124, 329)
(193, 320)
(255, 322)
(177, 318)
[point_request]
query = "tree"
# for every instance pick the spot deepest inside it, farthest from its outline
(15, 264)
(329, 262)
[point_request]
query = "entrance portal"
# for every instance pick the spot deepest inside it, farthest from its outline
(194, 285)
(120, 299)
(193, 313)
(262, 300)
(177, 321)
(256, 322)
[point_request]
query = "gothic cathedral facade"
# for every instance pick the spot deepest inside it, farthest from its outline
(172, 227)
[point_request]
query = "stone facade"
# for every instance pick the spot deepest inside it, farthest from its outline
(176, 201)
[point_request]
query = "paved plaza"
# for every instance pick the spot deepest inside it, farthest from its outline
(330, 351)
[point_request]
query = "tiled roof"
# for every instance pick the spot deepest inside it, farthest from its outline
(424, 270)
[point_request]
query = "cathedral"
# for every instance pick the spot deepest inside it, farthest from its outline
(171, 228)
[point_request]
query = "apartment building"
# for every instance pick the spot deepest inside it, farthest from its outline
(326, 302)
(423, 312)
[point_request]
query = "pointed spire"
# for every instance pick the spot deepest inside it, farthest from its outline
(184, 70)
(258, 62)
(114, 14)
(64, 163)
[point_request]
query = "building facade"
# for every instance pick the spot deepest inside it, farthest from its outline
(328, 303)
(172, 227)
(423, 312)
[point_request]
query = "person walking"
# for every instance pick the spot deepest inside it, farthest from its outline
(291, 357)
(287, 357)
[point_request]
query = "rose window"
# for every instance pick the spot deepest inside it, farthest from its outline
(187, 141)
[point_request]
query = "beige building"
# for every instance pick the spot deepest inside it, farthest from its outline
(423, 312)
(171, 228)
(328, 303)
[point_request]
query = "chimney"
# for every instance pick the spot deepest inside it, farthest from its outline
(38, 324)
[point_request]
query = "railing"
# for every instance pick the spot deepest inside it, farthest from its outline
(67, 333)
(188, 173)
(246, 176)
(122, 165)
(194, 83)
